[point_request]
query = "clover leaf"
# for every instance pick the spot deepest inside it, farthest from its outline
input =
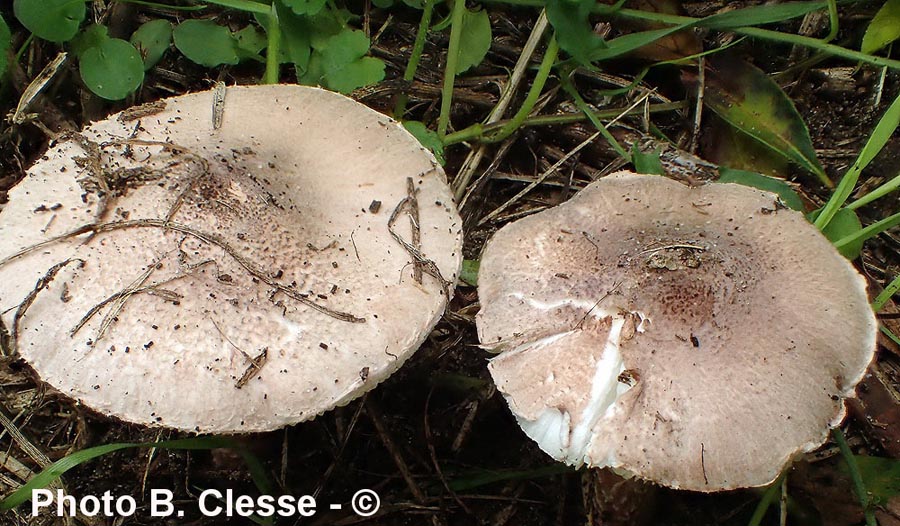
(112, 69)
(305, 7)
(152, 40)
(426, 138)
(573, 28)
(476, 29)
(206, 43)
(340, 63)
(92, 36)
(295, 45)
(53, 20)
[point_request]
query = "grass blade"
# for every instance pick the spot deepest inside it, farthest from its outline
(886, 294)
(483, 477)
(415, 56)
(734, 21)
(586, 110)
(760, 512)
(244, 5)
(456, 17)
(877, 193)
(870, 231)
(883, 131)
(537, 86)
(761, 14)
(58, 468)
(855, 476)
(883, 29)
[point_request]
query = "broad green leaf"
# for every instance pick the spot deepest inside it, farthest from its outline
(574, 32)
(362, 72)
(861, 235)
(476, 39)
(295, 33)
(325, 25)
(469, 272)
(341, 64)
(884, 28)
(646, 163)
(756, 180)
(304, 7)
(250, 41)
(344, 48)
(427, 138)
(93, 35)
(206, 43)
(844, 224)
(296, 48)
(314, 73)
(113, 69)
(5, 42)
(881, 476)
(383, 4)
(53, 20)
(749, 100)
(152, 40)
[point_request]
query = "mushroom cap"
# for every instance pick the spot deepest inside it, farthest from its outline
(697, 337)
(238, 278)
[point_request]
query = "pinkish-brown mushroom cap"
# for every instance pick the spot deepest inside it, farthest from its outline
(697, 337)
(234, 279)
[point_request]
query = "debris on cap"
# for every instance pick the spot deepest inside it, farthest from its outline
(228, 276)
(699, 337)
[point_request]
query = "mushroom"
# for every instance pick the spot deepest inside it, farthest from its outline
(699, 337)
(229, 267)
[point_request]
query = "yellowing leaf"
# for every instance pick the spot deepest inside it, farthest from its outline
(749, 100)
